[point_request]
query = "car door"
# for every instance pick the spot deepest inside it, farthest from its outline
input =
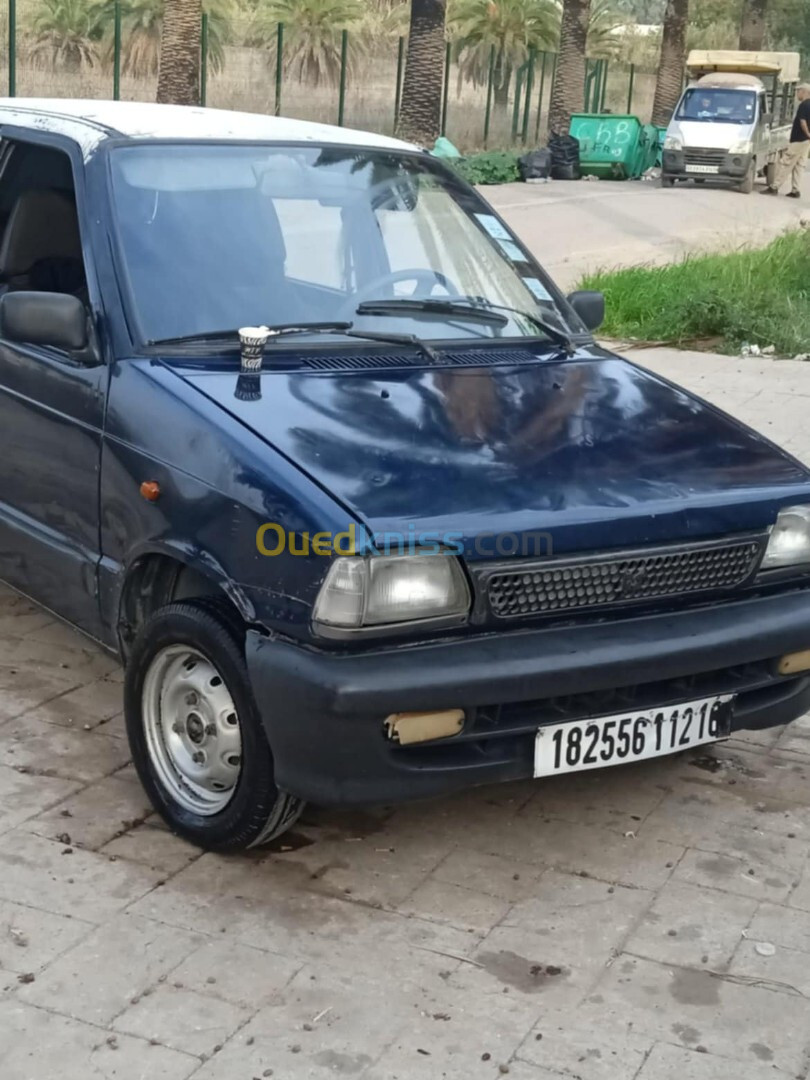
(51, 402)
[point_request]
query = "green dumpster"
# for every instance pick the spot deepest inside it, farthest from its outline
(614, 147)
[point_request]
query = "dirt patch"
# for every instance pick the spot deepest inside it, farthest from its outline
(530, 976)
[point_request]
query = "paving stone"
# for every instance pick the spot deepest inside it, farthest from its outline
(639, 861)
(70, 753)
(554, 947)
(132, 954)
(439, 901)
(236, 973)
(678, 1063)
(256, 904)
(595, 1051)
(91, 704)
(687, 925)
(96, 814)
(759, 867)
(741, 1022)
(183, 1020)
(800, 896)
(40, 1045)
(23, 796)
(37, 872)
(30, 939)
(796, 737)
(352, 1020)
(787, 971)
(490, 874)
(25, 686)
(379, 867)
(152, 845)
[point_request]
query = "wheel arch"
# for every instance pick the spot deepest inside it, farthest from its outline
(159, 577)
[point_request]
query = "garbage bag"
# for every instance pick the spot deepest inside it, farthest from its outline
(443, 148)
(564, 157)
(536, 165)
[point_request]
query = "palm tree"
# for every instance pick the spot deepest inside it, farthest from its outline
(179, 64)
(313, 30)
(420, 113)
(141, 27)
(605, 20)
(513, 27)
(63, 32)
(669, 83)
(752, 31)
(568, 92)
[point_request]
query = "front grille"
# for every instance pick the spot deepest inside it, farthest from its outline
(699, 156)
(585, 583)
(352, 361)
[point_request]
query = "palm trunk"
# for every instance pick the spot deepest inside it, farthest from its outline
(502, 78)
(752, 31)
(421, 111)
(669, 84)
(179, 70)
(568, 93)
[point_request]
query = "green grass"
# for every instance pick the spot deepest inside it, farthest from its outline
(759, 296)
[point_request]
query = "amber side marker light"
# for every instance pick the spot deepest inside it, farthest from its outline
(415, 727)
(150, 489)
(795, 661)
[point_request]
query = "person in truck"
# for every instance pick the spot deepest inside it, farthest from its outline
(794, 157)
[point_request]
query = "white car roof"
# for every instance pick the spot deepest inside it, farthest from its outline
(90, 122)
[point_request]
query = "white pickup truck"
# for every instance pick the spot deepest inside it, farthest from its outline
(733, 118)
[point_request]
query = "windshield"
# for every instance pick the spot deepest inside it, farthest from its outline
(718, 106)
(214, 237)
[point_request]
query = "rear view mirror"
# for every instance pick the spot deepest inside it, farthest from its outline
(43, 318)
(590, 306)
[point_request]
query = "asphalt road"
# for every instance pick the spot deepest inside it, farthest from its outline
(576, 226)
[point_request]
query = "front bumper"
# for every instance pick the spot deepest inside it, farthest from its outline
(731, 168)
(324, 712)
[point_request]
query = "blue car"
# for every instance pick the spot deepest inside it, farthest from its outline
(294, 424)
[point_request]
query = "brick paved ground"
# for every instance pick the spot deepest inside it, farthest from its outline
(649, 922)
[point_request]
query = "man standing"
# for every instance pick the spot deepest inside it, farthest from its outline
(793, 158)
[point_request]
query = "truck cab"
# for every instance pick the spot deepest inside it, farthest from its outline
(732, 120)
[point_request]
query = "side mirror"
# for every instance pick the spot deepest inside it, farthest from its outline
(767, 118)
(43, 318)
(590, 306)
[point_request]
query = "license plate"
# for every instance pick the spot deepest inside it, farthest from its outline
(614, 740)
(703, 168)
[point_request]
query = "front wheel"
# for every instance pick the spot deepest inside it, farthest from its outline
(747, 186)
(667, 181)
(195, 732)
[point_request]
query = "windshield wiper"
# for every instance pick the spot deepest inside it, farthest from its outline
(395, 305)
(233, 334)
(287, 329)
(474, 308)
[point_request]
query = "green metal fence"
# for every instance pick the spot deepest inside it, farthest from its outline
(363, 88)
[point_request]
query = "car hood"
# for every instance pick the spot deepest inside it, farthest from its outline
(592, 449)
(709, 135)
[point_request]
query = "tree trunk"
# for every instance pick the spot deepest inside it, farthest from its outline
(669, 84)
(421, 111)
(502, 78)
(568, 93)
(179, 70)
(752, 31)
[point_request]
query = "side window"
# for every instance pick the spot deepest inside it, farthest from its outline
(315, 242)
(40, 247)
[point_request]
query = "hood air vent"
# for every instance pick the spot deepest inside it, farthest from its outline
(386, 361)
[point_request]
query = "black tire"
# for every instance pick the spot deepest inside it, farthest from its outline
(667, 181)
(747, 186)
(257, 811)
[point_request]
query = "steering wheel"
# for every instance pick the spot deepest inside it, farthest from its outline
(425, 281)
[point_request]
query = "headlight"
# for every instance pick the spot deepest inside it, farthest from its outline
(382, 590)
(789, 544)
(742, 147)
(673, 142)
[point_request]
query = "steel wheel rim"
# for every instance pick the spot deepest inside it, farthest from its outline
(192, 729)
